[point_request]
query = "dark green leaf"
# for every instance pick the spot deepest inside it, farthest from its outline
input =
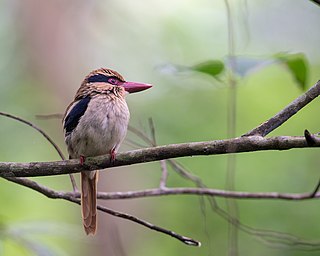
(211, 67)
(297, 65)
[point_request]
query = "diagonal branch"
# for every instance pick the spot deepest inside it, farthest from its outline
(37, 129)
(74, 197)
(46, 136)
(316, 2)
(236, 145)
(281, 117)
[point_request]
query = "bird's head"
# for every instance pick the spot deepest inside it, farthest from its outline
(103, 80)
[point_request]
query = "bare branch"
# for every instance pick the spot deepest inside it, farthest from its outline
(47, 137)
(164, 174)
(37, 129)
(314, 193)
(278, 119)
(206, 191)
(236, 145)
(184, 239)
(140, 135)
(165, 192)
(265, 235)
(50, 116)
(74, 197)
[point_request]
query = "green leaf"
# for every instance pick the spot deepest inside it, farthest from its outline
(210, 67)
(297, 64)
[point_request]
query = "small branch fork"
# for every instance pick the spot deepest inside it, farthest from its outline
(249, 142)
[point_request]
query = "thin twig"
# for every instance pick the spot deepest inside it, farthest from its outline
(66, 196)
(153, 131)
(50, 116)
(269, 237)
(133, 143)
(140, 134)
(206, 192)
(185, 174)
(184, 239)
(266, 235)
(47, 137)
(314, 193)
(163, 164)
(37, 129)
(291, 109)
(74, 197)
(164, 174)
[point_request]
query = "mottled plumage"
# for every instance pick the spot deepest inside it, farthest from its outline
(95, 123)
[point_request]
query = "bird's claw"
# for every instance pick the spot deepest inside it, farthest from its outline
(82, 160)
(112, 156)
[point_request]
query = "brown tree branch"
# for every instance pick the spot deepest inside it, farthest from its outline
(207, 192)
(74, 197)
(291, 109)
(165, 192)
(236, 145)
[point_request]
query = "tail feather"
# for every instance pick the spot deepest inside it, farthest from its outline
(89, 201)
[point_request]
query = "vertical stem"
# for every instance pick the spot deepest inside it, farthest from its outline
(232, 206)
(164, 174)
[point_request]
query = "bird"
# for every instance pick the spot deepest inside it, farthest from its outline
(95, 123)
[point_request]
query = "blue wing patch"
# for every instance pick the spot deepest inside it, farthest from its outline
(72, 119)
(98, 78)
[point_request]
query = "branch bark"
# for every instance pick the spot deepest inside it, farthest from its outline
(236, 145)
(290, 110)
(207, 192)
(74, 197)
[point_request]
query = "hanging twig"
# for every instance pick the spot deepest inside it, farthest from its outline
(47, 137)
(74, 197)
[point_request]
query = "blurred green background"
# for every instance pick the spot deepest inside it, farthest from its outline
(46, 49)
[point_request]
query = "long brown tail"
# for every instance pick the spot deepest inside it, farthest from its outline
(89, 201)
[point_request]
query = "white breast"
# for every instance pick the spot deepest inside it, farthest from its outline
(101, 129)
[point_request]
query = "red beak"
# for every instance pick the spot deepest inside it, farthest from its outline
(132, 87)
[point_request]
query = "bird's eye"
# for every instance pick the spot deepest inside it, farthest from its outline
(113, 80)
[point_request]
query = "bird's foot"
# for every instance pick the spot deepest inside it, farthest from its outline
(82, 160)
(112, 156)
